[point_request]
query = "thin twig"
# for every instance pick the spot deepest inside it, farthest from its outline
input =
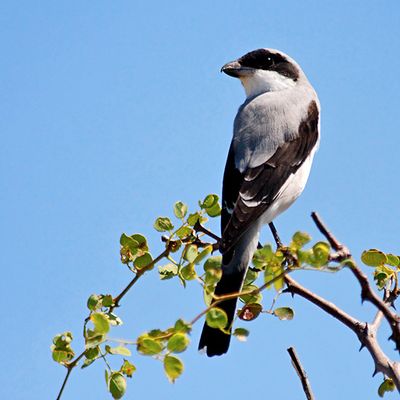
(220, 299)
(301, 373)
(139, 273)
(200, 228)
(69, 367)
(274, 232)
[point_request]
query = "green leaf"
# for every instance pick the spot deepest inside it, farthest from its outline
(217, 318)
(121, 350)
(250, 311)
(208, 296)
(300, 239)
(127, 369)
(321, 252)
(180, 210)
(386, 386)
(381, 279)
(93, 338)
(213, 262)
(127, 241)
(148, 346)
(274, 274)
(305, 256)
(163, 224)
(203, 254)
(87, 362)
(62, 356)
(137, 237)
(61, 348)
(168, 271)
(284, 313)
(393, 260)
(106, 375)
(107, 300)
(94, 302)
(241, 334)
(263, 256)
(190, 253)
(188, 272)
(251, 276)
(183, 232)
(178, 343)
(193, 218)
(251, 298)
(117, 385)
(100, 322)
(92, 353)
(113, 319)
(132, 246)
(373, 258)
(278, 284)
(143, 261)
(214, 211)
(182, 326)
(212, 277)
(209, 201)
(63, 339)
(173, 367)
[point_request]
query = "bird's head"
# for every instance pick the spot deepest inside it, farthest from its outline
(264, 70)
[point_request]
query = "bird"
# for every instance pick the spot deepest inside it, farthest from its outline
(275, 137)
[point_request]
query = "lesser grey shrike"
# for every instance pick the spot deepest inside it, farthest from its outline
(275, 136)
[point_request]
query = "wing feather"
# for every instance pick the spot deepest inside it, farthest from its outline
(248, 194)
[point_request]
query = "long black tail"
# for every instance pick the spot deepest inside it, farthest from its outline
(214, 340)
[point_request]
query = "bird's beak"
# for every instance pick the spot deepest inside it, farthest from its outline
(236, 70)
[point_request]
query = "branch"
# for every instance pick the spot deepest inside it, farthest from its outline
(367, 293)
(366, 333)
(69, 367)
(220, 299)
(139, 273)
(301, 373)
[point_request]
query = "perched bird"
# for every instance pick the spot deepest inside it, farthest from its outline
(275, 136)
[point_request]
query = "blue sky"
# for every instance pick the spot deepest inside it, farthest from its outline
(112, 111)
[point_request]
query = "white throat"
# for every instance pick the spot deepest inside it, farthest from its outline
(262, 81)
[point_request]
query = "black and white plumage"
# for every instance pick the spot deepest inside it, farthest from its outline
(276, 133)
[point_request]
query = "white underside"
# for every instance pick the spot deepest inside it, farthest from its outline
(289, 192)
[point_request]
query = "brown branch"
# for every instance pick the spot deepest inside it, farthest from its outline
(293, 287)
(301, 373)
(200, 228)
(366, 333)
(367, 293)
(335, 244)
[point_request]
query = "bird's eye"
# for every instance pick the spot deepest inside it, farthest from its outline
(270, 61)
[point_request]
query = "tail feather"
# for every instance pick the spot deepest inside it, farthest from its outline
(214, 340)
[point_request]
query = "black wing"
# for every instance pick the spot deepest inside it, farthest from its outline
(261, 185)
